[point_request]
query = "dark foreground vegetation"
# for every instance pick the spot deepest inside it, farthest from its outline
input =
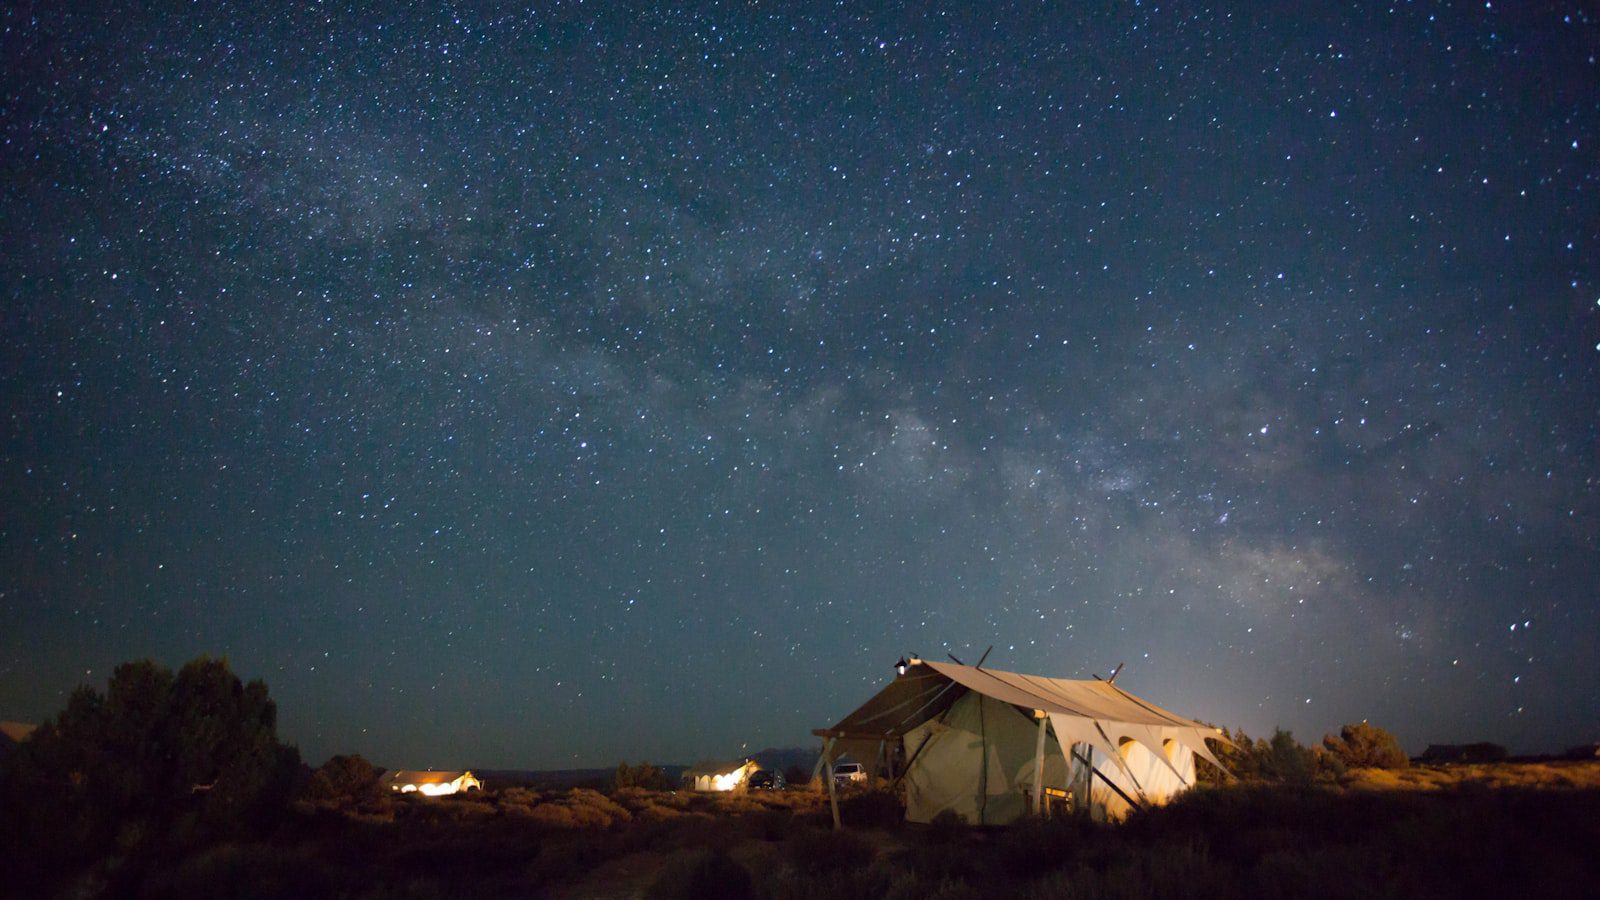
(1247, 841)
(175, 786)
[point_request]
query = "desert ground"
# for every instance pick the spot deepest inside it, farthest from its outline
(1506, 829)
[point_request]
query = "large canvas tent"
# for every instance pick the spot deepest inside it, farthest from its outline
(988, 744)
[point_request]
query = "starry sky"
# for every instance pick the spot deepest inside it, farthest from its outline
(545, 387)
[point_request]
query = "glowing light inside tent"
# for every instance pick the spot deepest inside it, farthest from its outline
(433, 784)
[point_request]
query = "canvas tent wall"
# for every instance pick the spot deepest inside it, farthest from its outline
(975, 741)
(977, 760)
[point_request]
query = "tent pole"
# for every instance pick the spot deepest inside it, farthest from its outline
(1109, 783)
(906, 769)
(825, 762)
(833, 797)
(1118, 759)
(1038, 768)
(931, 701)
(1088, 780)
(823, 757)
(983, 773)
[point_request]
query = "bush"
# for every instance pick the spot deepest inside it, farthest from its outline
(815, 852)
(516, 800)
(1231, 753)
(643, 775)
(871, 809)
(706, 875)
(255, 871)
(1280, 760)
(580, 809)
(344, 780)
(1366, 746)
(583, 798)
(771, 824)
(1035, 846)
(1286, 761)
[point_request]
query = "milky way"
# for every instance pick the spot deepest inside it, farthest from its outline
(550, 388)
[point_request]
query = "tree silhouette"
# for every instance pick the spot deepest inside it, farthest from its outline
(158, 760)
(1364, 745)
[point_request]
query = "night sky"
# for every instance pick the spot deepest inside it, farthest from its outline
(549, 388)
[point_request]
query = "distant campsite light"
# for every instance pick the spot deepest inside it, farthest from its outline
(431, 784)
(711, 775)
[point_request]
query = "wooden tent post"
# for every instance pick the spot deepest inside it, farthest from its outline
(1088, 780)
(825, 764)
(823, 757)
(1038, 766)
(833, 797)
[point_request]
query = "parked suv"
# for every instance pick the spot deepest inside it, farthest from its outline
(768, 780)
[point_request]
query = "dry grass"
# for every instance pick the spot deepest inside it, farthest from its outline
(1553, 775)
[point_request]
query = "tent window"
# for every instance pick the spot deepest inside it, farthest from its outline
(1125, 746)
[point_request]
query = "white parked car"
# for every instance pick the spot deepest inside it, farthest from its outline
(849, 773)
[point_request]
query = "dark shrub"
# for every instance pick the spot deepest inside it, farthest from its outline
(947, 826)
(1280, 760)
(643, 775)
(815, 851)
(1287, 761)
(703, 877)
(1234, 754)
(254, 871)
(1033, 846)
(1366, 746)
(344, 779)
(771, 824)
(871, 809)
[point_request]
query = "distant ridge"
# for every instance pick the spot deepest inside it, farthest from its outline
(781, 758)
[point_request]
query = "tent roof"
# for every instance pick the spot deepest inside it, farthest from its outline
(1090, 699)
(926, 690)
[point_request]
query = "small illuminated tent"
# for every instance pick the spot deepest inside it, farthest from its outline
(975, 741)
(713, 775)
(12, 734)
(16, 732)
(431, 784)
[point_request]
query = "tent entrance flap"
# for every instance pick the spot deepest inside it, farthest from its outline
(979, 761)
